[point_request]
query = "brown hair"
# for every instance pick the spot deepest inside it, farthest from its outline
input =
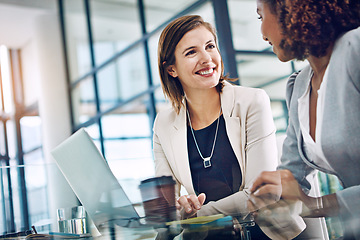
(169, 38)
(310, 27)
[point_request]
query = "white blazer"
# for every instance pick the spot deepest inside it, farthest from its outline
(251, 131)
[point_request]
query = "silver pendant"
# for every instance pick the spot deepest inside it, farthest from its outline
(207, 162)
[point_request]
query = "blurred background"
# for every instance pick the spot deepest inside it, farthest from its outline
(67, 64)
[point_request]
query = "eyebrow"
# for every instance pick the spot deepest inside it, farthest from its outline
(186, 49)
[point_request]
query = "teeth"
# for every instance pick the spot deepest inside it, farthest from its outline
(206, 72)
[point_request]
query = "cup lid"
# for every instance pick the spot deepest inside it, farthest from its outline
(157, 181)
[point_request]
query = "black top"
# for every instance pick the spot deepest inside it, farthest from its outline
(223, 178)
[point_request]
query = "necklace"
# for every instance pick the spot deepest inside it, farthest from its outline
(207, 162)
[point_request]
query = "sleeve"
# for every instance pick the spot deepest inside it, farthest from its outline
(353, 60)
(348, 198)
(290, 158)
(260, 155)
(162, 166)
(349, 206)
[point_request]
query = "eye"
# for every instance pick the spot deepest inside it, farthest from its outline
(260, 17)
(211, 46)
(190, 53)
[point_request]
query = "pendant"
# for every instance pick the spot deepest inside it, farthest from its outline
(207, 162)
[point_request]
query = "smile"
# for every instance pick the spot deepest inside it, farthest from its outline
(206, 72)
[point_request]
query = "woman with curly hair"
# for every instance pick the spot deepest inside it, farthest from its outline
(323, 101)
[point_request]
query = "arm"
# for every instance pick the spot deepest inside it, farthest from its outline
(290, 157)
(269, 186)
(162, 167)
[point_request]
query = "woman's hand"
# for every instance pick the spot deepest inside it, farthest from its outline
(269, 187)
(279, 183)
(272, 189)
(190, 203)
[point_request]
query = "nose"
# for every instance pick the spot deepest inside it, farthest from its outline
(265, 38)
(205, 57)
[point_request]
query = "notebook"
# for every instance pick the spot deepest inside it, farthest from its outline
(92, 181)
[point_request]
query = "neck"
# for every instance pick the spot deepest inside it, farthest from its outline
(319, 65)
(203, 109)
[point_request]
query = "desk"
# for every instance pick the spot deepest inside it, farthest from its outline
(223, 228)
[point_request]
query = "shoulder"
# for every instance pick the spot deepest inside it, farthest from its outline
(348, 44)
(296, 83)
(165, 117)
(351, 37)
(246, 94)
(346, 56)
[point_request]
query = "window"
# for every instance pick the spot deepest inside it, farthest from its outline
(23, 185)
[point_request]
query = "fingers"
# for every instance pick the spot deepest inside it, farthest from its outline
(269, 191)
(266, 178)
(191, 202)
(274, 185)
(202, 198)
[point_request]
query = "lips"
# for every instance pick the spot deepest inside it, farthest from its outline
(204, 72)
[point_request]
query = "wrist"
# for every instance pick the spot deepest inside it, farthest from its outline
(312, 207)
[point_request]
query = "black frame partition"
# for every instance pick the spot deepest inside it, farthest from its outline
(143, 41)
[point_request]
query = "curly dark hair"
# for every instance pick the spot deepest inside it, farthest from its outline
(310, 27)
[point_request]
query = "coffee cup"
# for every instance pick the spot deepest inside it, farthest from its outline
(158, 196)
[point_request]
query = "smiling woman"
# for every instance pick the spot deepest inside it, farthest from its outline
(217, 137)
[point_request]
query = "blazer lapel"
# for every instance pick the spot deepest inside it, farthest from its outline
(233, 124)
(179, 145)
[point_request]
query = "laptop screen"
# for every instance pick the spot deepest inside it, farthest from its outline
(91, 179)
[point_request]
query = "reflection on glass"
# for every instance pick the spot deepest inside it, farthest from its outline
(83, 101)
(15, 186)
(77, 40)
(115, 25)
(3, 175)
(122, 80)
(36, 186)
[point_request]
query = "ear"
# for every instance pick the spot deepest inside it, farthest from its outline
(171, 71)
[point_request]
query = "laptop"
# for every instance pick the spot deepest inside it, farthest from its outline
(91, 179)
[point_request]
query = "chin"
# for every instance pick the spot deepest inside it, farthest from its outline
(283, 58)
